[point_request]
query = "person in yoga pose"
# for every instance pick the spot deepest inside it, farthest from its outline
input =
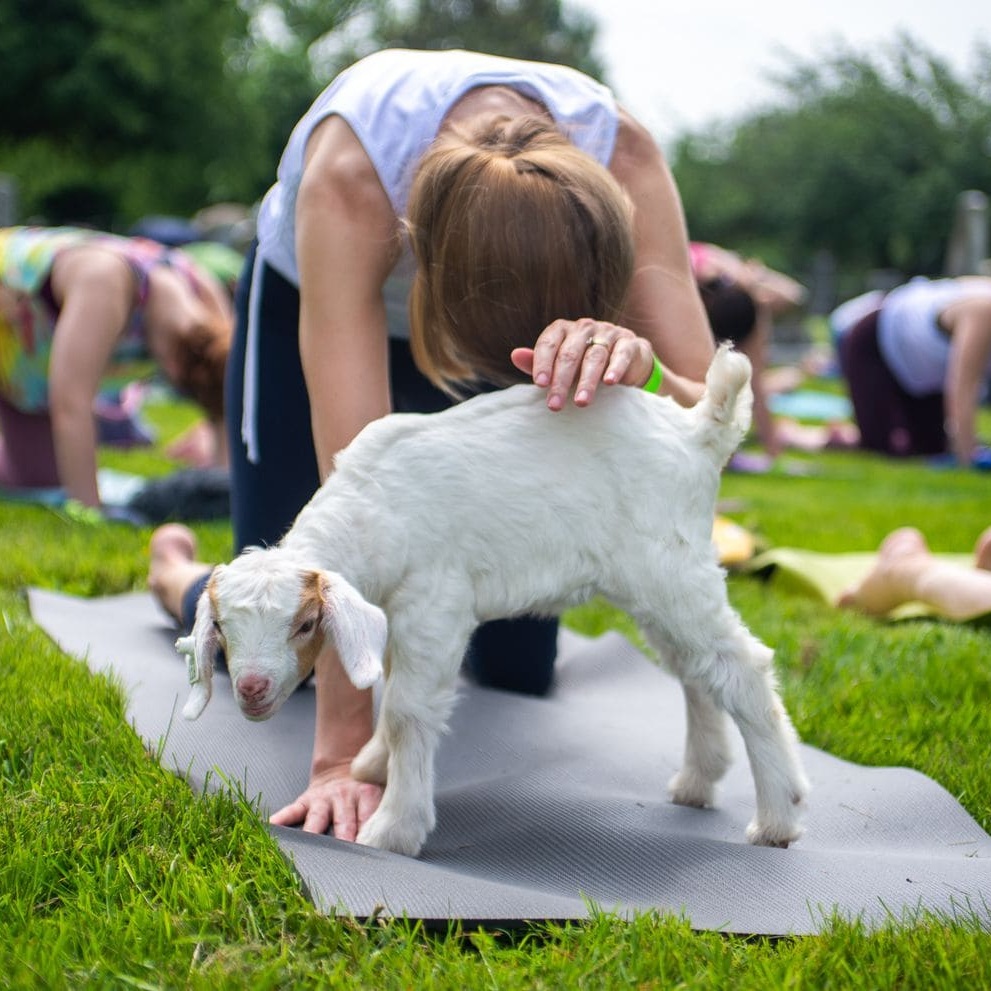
(545, 240)
(742, 299)
(73, 301)
(917, 362)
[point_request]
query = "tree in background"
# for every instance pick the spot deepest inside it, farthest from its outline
(863, 157)
(281, 65)
(111, 110)
(103, 100)
(541, 30)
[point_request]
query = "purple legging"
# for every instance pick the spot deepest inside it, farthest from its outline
(891, 420)
(27, 452)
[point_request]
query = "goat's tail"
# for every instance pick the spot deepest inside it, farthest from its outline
(723, 412)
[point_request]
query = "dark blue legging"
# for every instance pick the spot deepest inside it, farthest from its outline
(515, 654)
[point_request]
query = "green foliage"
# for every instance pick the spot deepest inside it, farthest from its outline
(111, 109)
(542, 30)
(863, 156)
(133, 92)
(280, 66)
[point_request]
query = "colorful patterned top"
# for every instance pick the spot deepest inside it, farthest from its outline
(28, 311)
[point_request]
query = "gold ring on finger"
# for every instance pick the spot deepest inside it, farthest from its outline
(602, 344)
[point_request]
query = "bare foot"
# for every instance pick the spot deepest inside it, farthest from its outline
(196, 447)
(842, 436)
(982, 551)
(901, 558)
(173, 566)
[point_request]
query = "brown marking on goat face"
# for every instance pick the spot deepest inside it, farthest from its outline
(214, 596)
(211, 591)
(311, 606)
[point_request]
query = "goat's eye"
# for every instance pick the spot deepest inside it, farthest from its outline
(306, 627)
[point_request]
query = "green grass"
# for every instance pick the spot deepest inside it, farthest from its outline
(113, 874)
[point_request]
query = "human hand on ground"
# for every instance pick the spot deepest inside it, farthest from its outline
(332, 798)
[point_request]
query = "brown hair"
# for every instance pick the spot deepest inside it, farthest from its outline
(201, 356)
(512, 227)
(731, 310)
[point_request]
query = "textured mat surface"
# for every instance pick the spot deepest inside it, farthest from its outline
(547, 806)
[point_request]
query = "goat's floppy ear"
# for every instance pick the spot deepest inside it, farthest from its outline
(357, 628)
(200, 647)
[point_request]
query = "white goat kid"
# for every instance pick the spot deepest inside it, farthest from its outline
(492, 509)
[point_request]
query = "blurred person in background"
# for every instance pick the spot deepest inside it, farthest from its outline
(72, 303)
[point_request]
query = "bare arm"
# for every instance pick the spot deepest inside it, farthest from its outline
(755, 347)
(343, 726)
(95, 293)
(664, 304)
(969, 324)
(346, 245)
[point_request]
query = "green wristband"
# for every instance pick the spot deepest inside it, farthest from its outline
(656, 377)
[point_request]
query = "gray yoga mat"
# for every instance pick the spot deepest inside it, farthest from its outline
(551, 808)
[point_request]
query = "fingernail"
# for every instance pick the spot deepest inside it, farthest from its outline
(542, 379)
(581, 397)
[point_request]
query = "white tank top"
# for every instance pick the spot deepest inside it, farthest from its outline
(395, 101)
(908, 334)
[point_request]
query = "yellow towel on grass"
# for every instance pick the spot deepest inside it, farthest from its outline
(827, 576)
(735, 543)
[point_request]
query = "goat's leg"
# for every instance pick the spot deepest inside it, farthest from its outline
(416, 703)
(741, 679)
(707, 753)
(735, 670)
(372, 762)
(753, 702)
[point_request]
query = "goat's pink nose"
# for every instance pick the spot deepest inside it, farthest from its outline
(253, 686)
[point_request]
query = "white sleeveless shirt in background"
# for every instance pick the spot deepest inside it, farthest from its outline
(909, 336)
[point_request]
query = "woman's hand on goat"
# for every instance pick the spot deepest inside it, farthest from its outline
(578, 355)
(332, 798)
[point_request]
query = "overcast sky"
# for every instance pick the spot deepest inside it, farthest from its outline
(679, 66)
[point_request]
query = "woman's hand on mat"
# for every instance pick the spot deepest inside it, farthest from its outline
(580, 355)
(332, 798)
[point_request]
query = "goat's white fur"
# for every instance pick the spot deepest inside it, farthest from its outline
(495, 508)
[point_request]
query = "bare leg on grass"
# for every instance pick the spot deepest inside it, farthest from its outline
(907, 571)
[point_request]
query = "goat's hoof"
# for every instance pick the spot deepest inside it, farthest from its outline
(779, 836)
(396, 837)
(692, 790)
